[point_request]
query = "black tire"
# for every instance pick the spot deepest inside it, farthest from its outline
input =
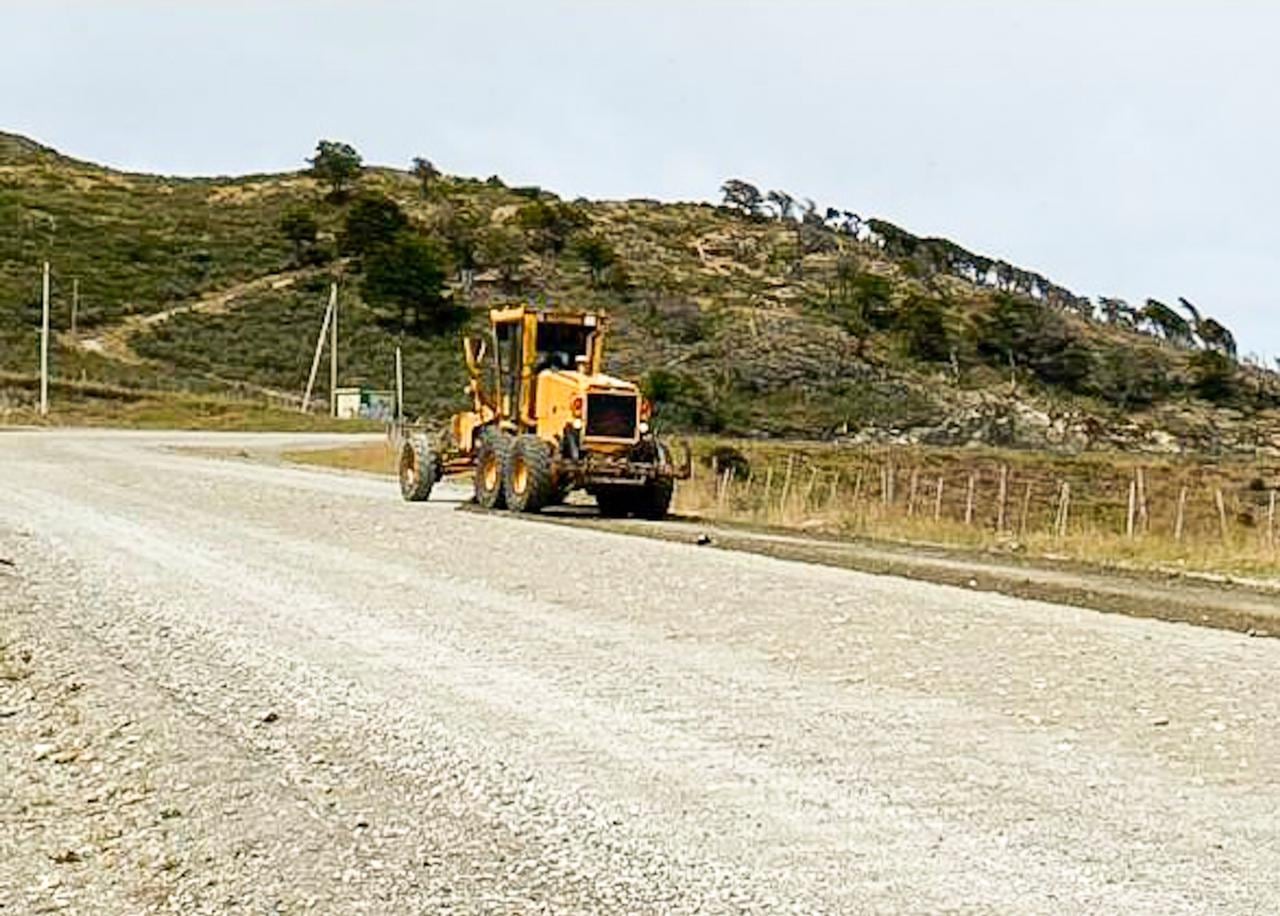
(419, 470)
(653, 500)
(491, 462)
(529, 480)
(615, 501)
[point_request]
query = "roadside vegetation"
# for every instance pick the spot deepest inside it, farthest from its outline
(1118, 510)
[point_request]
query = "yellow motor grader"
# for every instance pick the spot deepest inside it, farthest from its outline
(546, 421)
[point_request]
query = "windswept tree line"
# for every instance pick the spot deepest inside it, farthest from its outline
(932, 256)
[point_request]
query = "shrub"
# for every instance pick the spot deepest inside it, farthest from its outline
(373, 220)
(1214, 377)
(923, 328)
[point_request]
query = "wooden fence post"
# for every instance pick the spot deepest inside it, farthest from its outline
(968, 502)
(1064, 510)
(1026, 511)
(1181, 518)
(1144, 520)
(1271, 522)
(937, 501)
(1222, 513)
(1003, 499)
(911, 495)
(1133, 504)
(786, 484)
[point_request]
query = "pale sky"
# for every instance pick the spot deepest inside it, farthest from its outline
(1120, 148)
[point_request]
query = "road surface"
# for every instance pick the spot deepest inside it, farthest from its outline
(235, 687)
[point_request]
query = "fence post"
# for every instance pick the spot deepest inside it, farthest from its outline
(1144, 521)
(1271, 522)
(1222, 513)
(1026, 511)
(1181, 518)
(937, 501)
(911, 496)
(1064, 509)
(968, 502)
(1133, 503)
(1003, 498)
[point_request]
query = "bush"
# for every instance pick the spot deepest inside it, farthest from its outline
(923, 328)
(373, 220)
(1025, 333)
(408, 274)
(727, 458)
(1214, 377)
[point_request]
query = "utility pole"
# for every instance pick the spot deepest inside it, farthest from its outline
(324, 330)
(399, 387)
(333, 355)
(75, 303)
(44, 347)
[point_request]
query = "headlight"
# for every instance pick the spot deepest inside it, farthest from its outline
(644, 427)
(577, 423)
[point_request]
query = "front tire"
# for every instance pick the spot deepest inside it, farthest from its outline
(419, 470)
(529, 479)
(491, 460)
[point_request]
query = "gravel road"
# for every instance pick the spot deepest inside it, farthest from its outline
(227, 687)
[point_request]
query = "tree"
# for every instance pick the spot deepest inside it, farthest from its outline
(922, 324)
(1213, 377)
(1216, 337)
(426, 173)
(598, 255)
(551, 223)
(742, 196)
(408, 274)
(503, 248)
(1170, 325)
(373, 220)
(460, 228)
(336, 163)
(783, 204)
(299, 226)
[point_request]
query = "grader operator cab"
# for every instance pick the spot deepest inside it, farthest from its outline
(545, 420)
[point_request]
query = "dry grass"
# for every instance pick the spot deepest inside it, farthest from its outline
(375, 457)
(923, 495)
(847, 492)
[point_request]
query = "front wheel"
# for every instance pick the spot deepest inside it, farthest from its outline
(419, 470)
(529, 480)
(491, 459)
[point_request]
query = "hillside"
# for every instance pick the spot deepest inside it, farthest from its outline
(743, 319)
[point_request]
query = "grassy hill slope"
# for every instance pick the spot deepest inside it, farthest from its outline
(738, 323)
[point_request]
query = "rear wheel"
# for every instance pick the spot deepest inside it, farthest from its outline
(615, 501)
(528, 480)
(419, 470)
(653, 500)
(491, 458)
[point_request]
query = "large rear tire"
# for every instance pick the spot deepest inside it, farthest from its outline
(653, 500)
(529, 482)
(615, 501)
(419, 470)
(491, 460)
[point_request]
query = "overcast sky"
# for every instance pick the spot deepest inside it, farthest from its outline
(1119, 148)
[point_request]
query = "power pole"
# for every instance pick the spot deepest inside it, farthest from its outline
(44, 347)
(399, 387)
(333, 355)
(75, 303)
(315, 361)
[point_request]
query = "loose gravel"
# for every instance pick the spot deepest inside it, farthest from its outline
(227, 687)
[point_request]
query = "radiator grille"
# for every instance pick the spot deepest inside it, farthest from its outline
(612, 416)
